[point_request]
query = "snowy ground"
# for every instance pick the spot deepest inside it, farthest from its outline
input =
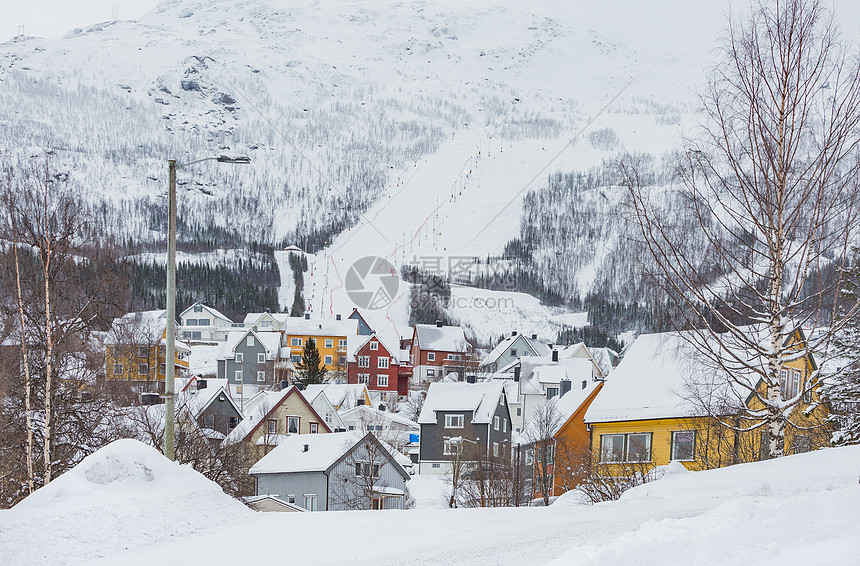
(126, 505)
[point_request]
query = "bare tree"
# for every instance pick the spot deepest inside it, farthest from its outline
(771, 187)
(540, 434)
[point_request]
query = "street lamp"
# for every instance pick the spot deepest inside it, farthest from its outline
(170, 354)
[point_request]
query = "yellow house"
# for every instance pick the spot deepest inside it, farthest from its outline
(272, 416)
(330, 336)
(653, 411)
(135, 351)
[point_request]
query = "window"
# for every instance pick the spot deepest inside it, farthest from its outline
(311, 502)
(209, 420)
(437, 465)
(449, 448)
(783, 383)
(364, 378)
(431, 373)
(143, 369)
(519, 411)
(495, 449)
(514, 353)
(551, 392)
(374, 345)
(250, 342)
(162, 368)
(261, 376)
(431, 356)
(191, 322)
(329, 343)
(261, 358)
(375, 470)
(117, 369)
(267, 324)
(314, 428)
(453, 421)
(341, 344)
(451, 357)
(295, 341)
(504, 425)
(683, 445)
(198, 308)
(328, 418)
(364, 361)
(341, 360)
(196, 335)
(296, 359)
(240, 357)
(382, 381)
(232, 422)
(496, 423)
(291, 498)
(625, 447)
(203, 322)
(292, 425)
(328, 360)
(272, 426)
(238, 375)
(382, 363)
(795, 383)
(143, 352)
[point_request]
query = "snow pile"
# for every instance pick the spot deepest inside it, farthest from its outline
(124, 496)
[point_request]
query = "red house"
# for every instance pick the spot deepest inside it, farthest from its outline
(373, 363)
(437, 350)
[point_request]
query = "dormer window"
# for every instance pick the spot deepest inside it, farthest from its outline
(374, 345)
(198, 308)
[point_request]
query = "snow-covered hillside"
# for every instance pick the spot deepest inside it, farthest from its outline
(127, 505)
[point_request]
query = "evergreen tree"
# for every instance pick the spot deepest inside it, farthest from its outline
(311, 369)
(843, 389)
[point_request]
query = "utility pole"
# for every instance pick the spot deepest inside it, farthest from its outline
(170, 354)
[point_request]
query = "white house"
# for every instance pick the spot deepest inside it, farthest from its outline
(201, 323)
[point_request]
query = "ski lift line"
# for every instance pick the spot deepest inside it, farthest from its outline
(297, 150)
(550, 162)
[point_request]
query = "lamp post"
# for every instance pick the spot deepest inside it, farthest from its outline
(170, 354)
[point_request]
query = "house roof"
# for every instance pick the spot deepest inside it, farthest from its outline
(536, 372)
(253, 317)
(441, 338)
(268, 402)
(197, 400)
(480, 398)
(372, 415)
(137, 327)
(215, 313)
(566, 406)
(324, 451)
(321, 327)
(651, 380)
(338, 393)
(271, 341)
(537, 348)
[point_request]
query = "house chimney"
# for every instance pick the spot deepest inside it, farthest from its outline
(534, 336)
(201, 384)
(517, 373)
(550, 346)
(555, 355)
(305, 448)
(584, 384)
(438, 324)
(514, 333)
(565, 387)
(337, 317)
(307, 316)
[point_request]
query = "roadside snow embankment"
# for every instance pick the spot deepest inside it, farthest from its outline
(124, 496)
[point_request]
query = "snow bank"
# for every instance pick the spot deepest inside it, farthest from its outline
(124, 496)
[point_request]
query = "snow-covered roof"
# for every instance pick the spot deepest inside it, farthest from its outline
(338, 393)
(441, 338)
(263, 403)
(321, 327)
(565, 406)
(214, 312)
(323, 451)
(253, 317)
(371, 415)
(198, 399)
(537, 372)
(480, 398)
(649, 382)
(538, 348)
(271, 341)
(143, 327)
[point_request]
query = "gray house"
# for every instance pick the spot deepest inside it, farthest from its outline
(211, 404)
(511, 349)
(248, 357)
(463, 418)
(330, 472)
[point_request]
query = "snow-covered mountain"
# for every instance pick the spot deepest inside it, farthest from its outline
(405, 130)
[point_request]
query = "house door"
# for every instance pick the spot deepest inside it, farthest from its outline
(377, 503)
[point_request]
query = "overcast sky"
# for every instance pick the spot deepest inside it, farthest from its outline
(55, 18)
